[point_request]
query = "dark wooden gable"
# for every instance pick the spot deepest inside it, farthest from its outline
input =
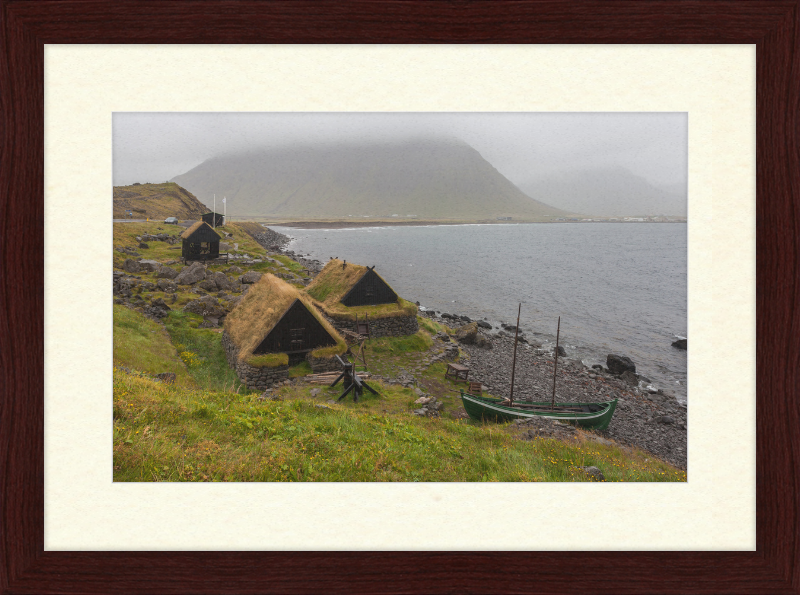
(203, 233)
(369, 291)
(296, 331)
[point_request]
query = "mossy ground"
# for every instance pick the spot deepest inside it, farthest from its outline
(167, 433)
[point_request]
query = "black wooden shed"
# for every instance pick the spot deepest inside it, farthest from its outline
(200, 242)
(274, 318)
(350, 284)
(214, 219)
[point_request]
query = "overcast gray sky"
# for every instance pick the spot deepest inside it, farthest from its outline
(155, 147)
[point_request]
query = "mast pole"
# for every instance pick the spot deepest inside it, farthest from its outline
(555, 366)
(514, 362)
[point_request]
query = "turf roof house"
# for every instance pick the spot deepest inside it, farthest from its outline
(273, 327)
(345, 292)
(200, 242)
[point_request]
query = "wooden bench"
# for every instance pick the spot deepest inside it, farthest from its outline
(457, 372)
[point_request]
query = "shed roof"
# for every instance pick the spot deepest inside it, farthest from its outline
(260, 310)
(334, 281)
(199, 226)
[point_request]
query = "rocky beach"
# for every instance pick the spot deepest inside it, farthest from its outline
(646, 417)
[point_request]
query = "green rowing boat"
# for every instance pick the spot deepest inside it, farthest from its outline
(595, 416)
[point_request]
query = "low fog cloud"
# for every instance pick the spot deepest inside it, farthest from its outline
(155, 147)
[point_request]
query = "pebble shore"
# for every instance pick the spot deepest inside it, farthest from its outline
(655, 422)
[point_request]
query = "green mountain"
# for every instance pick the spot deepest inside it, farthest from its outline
(156, 201)
(427, 179)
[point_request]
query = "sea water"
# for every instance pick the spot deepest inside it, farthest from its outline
(618, 287)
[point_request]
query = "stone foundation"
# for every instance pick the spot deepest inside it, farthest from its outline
(397, 326)
(324, 364)
(252, 377)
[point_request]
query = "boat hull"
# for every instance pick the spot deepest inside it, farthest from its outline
(488, 409)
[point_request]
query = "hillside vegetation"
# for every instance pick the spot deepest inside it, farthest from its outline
(426, 179)
(156, 201)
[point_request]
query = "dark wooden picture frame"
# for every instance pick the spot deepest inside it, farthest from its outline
(773, 25)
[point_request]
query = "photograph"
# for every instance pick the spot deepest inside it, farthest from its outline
(400, 296)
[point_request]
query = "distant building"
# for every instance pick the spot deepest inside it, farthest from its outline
(504, 218)
(214, 219)
(200, 242)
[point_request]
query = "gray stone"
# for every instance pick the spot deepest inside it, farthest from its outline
(166, 272)
(629, 378)
(131, 266)
(192, 274)
(467, 333)
(250, 277)
(167, 285)
(617, 364)
(207, 306)
(221, 280)
(208, 285)
(679, 344)
(594, 473)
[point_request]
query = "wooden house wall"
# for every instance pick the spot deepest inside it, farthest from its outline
(281, 338)
(369, 291)
(195, 250)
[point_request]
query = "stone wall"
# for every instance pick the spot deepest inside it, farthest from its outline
(324, 364)
(252, 377)
(397, 326)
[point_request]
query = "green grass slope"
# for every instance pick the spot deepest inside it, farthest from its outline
(142, 344)
(156, 201)
(165, 433)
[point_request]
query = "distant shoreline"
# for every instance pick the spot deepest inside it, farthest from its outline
(340, 224)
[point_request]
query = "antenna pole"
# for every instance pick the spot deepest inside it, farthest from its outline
(555, 367)
(514, 363)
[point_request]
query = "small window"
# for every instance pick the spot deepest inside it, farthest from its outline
(296, 336)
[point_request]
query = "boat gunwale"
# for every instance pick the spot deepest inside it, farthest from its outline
(496, 406)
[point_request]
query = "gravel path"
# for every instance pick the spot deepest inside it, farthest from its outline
(653, 422)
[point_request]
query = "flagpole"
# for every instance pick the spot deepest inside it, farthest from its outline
(214, 216)
(224, 209)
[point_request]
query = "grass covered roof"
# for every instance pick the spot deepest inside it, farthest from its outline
(197, 225)
(334, 281)
(260, 310)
